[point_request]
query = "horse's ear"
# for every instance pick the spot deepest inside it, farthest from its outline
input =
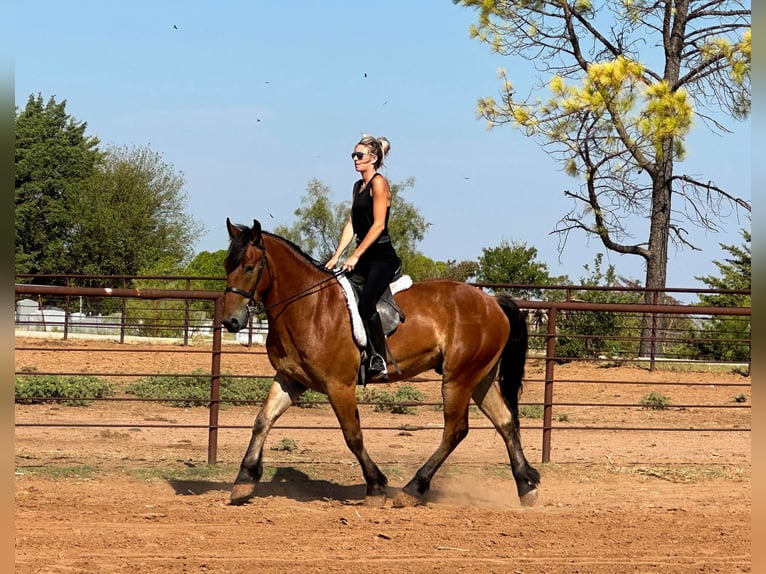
(255, 236)
(233, 229)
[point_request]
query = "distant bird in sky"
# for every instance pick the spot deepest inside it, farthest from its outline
(365, 74)
(175, 27)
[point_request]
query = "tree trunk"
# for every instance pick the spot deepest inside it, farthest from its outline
(659, 237)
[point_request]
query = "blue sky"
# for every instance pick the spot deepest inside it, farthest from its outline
(251, 100)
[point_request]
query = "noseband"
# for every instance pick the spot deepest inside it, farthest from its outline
(250, 295)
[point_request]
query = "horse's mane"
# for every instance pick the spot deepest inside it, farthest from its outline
(295, 247)
(238, 246)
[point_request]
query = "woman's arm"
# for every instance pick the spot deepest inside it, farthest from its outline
(345, 238)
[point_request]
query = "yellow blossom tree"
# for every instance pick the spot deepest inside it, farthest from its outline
(619, 85)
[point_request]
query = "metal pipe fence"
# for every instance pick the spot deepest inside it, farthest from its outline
(568, 331)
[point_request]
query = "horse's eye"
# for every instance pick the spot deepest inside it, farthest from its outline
(249, 268)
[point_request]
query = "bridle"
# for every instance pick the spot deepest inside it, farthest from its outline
(264, 264)
(250, 295)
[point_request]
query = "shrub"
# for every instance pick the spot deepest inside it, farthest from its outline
(70, 390)
(194, 390)
(531, 411)
(392, 402)
(655, 401)
(286, 444)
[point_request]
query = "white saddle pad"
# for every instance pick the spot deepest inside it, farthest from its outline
(360, 336)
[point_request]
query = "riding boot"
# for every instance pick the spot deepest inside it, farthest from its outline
(376, 346)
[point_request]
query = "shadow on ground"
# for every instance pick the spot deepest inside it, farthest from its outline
(287, 482)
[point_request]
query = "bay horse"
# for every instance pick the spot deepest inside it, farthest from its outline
(476, 342)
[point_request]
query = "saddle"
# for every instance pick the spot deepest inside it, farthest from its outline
(390, 313)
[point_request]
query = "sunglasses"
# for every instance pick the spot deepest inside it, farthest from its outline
(358, 155)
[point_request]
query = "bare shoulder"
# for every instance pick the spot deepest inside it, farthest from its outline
(379, 185)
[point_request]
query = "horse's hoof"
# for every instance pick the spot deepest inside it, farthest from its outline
(241, 493)
(529, 499)
(404, 499)
(375, 500)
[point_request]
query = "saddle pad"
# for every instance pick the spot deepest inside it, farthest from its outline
(357, 327)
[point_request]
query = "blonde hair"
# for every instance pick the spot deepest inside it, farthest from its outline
(379, 146)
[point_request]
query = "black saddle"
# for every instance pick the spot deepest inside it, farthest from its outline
(388, 310)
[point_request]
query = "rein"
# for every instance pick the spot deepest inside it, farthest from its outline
(264, 263)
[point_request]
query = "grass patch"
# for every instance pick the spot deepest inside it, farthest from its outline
(286, 444)
(681, 366)
(655, 401)
(685, 474)
(395, 402)
(203, 472)
(194, 390)
(70, 390)
(79, 471)
(531, 411)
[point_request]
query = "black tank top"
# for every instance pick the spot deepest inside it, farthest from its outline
(361, 212)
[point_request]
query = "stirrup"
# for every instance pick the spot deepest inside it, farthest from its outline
(377, 368)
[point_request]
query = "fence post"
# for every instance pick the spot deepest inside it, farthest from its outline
(215, 384)
(186, 314)
(550, 354)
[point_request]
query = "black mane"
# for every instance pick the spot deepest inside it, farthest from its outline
(238, 246)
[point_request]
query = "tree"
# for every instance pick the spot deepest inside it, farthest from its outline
(513, 263)
(207, 264)
(53, 157)
(617, 123)
(727, 338)
(319, 223)
(130, 216)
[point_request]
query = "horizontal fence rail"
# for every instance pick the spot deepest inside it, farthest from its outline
(182, 314)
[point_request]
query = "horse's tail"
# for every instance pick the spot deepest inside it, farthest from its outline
(511, 371)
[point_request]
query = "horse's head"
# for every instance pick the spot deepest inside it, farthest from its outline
(246, 279)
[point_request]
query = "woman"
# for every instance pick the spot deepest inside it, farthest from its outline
(374, 258)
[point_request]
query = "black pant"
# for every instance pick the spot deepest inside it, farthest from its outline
(379, 273)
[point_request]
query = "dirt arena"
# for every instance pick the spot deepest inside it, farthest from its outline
(134, 498)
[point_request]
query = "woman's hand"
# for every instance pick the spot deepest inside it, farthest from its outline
(350, 263)
(331, 263)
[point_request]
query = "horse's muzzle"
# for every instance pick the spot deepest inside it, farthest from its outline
(232, 325)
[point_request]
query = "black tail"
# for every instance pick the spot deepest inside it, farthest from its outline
(514, 355)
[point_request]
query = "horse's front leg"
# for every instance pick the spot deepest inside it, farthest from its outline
(343, 402)
(283, 393)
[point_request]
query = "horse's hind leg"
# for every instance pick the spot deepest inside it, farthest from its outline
(491, 402)
(456, 399)
(282, 394)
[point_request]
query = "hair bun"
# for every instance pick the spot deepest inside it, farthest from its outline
(385, 145)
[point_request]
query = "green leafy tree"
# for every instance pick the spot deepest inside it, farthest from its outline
(319, 222)
(590, 334)
(420, 267)
(726, 338)
(54, 157)
(614, 121)
(130, 216)
(458, 270)
(513, 263)
(207, 264)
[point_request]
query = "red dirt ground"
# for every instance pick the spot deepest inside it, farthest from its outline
(137, 499)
